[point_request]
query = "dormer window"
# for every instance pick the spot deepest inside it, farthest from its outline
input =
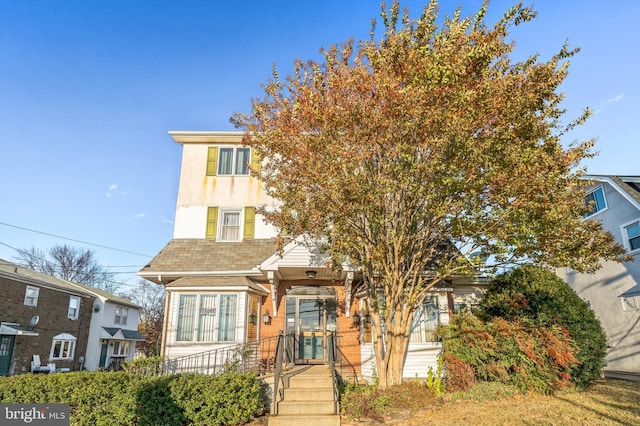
(596, 201)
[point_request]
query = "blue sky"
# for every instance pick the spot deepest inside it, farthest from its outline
(89, 90)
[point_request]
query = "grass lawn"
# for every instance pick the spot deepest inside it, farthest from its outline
(609, 402)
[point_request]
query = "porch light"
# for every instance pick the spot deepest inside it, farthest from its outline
(356, 319)
(253, 317)
(311, 274)
(266, 318)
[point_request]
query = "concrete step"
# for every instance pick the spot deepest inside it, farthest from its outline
(304, 420)
(301, 381)
(309, 394)
(306, 407)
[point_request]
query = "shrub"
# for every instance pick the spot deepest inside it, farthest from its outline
(533, 359)
(109, 398)
(538, 295)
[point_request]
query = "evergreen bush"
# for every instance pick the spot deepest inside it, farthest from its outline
(538, 295)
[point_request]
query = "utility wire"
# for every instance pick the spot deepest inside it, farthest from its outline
(71, 239)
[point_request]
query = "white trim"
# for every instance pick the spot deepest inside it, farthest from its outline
(604, 197)
(35, 298)
(615, 186)
(216, 288)
(221, 213)
(248, 273)
(77, 315)
(625, 235)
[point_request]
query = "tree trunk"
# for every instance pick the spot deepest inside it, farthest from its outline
(390, 350)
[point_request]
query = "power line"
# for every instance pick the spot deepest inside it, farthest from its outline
(71, 239)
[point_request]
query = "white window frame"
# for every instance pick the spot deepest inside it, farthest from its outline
(194, 319)
(423, 326)
(121, 316)
(604, 199)
(237, 169)
(626, 241)
(120, 348)
(630, 303)
(71, 313)
(67, 347)
(221, 227)
(31, 300)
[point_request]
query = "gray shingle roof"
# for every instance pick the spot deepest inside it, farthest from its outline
(19, 273)
(199, 255)
(630, 188)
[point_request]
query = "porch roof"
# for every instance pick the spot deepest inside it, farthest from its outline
(207, 255)
(121, 333)
(218, 282)
(16, 330)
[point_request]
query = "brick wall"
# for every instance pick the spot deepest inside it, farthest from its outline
(348, 333)
(52, 308)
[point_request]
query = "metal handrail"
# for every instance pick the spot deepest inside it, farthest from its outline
(332, 348)
(254, 357)
(277, 372)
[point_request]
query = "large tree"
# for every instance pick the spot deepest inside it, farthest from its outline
(69, 263)
(424, 153)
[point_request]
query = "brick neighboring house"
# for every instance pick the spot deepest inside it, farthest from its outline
(614, 290)
(44, 316)
(223, 273)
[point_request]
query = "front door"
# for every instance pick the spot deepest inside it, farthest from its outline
(310, 316)
(103, 354)
(6, 350)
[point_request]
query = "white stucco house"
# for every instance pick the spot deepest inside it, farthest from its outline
(227, 283)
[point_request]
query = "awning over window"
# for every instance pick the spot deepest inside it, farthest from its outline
(16, 330)
(112, 333)
(632, 292)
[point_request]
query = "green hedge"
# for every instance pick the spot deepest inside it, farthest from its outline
(101, 398)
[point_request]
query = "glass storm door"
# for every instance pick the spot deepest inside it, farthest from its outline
(310, 317)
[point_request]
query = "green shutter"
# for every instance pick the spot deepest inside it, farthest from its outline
(212, 222)
(255, 161)
(249, 222)
(212, 161)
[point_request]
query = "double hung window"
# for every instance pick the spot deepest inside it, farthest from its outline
(121, 315)
(631, 235)
(31, 296)
(209, 317)
(74, 307)
(230, 224)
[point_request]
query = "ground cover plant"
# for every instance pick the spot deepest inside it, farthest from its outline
(607, 402)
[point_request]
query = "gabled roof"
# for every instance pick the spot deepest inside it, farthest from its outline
(121, 333)
(108, 297)
(627, 186)
(28, 276)
(206, 256)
